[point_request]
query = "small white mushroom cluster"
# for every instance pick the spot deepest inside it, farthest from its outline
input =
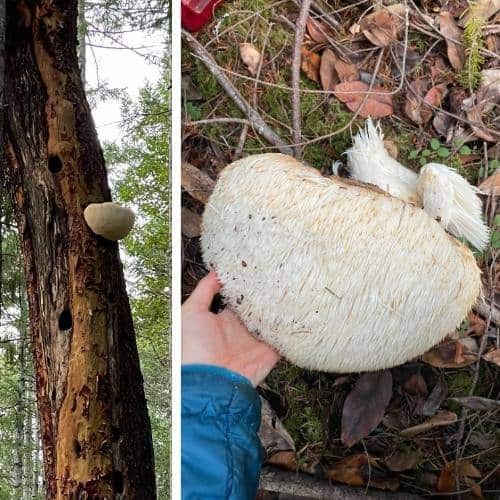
(109, 220)
(444, 194)
(335, 275)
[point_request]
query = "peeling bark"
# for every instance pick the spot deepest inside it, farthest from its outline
(94, 425)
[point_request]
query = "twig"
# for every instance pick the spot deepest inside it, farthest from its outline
(297, 52)
(257, 123)
(210, 121)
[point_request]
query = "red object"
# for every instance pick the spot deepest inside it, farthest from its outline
(196, 13)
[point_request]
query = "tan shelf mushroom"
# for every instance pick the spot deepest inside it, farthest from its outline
(109, 220)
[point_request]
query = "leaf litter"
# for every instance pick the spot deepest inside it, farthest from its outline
(398, 429)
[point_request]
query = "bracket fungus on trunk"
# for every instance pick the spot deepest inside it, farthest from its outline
(334, 274)
(109, 220)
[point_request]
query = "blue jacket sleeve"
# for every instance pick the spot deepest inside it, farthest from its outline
(221, 451)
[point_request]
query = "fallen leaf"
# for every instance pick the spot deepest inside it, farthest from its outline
(446, 482)
(477, 325)
(250, 56)
(486, 99)
(491, 185)
(416, 385)
(493, 356)
(435, 399)
(453, 35)
(391, 148)
(448, 477)
(380, 28)
(377, 105)
(333, 70)
(414, 99)
(190, 223)
(402, 461)
(443, 124)
(442, 418)
(478, 403)
(384, 483)
(451, 354)
(348, 470)
(272, 433)
(365, 406)
(327, 72)
(475, 488)
(310, 64)
(434, 97)
(481, 8)
(438, 68)
(197, 183)
(284, 459)
(317, 30)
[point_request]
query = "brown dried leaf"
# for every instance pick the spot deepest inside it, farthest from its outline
(380, 28)
(365, 406)
(451, 354)
(250, 56)
(327, 72)
(191, 223)
(434, 97)
(481, 8)
(446, 482)
(402, 461)
(284, 459)
(493, 356)
(477, 325)
(442, 418)
(453, 34)
(317, 30)
(348, 470)
(197, 183)
(391, 148)
(272, 433)
(491, 184)
(436, 398)
(416, 385)
(478, 403)
(352, 94)
(310, 64)
(333, 70)
(414, 96)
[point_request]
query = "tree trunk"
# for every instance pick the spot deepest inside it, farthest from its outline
(94, 426)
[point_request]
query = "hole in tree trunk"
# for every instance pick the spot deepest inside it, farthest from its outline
(117, 481)
(55, 164)
(78, 448)
(115, 432)
(65, 321)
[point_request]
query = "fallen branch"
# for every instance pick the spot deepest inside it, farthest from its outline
(297, 57)
(257, 123)
(304, 486)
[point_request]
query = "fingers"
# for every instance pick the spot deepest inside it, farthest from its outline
(204, 293)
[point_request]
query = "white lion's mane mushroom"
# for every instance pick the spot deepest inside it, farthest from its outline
(109, 220)
(335, 275)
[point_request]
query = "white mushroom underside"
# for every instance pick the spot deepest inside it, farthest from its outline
(336, 277)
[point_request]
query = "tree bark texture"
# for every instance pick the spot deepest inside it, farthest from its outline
(94, 425)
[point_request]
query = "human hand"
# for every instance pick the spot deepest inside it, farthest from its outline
(221, 339)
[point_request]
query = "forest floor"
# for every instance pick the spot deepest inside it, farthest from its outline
(438, 435)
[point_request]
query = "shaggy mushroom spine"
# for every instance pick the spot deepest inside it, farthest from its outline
(338, 276)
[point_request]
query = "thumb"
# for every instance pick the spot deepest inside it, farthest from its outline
(204, 293)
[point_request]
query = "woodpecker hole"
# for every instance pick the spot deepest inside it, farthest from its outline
(55, 164)
(78, 448)
(65, 321)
